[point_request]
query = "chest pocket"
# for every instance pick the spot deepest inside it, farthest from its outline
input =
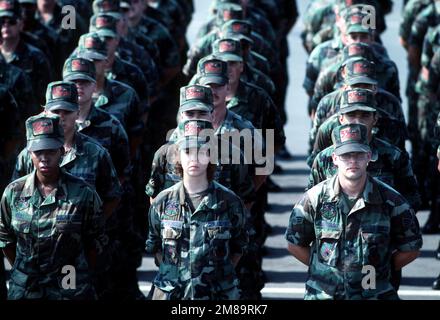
(21, 216)
(171, 233)
(218, 234)
(328, 244)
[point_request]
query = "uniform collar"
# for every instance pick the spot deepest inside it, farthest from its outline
(30, 190)
(76, 151)
(209, 202)
(240, 96)
(370, 194)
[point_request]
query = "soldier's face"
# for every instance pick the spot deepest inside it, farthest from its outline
(219, 93)
(357, 37)
(85, 90)
(46, 161)
(235, 69)
(194, 161)
(11, 27)
(45, 4)
(352, 166)
(112, 45)
(137, 9)
(67, 119)
(366, 118)
(100, 67)
(195, 115)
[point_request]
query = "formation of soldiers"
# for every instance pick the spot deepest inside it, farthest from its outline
(102, 156)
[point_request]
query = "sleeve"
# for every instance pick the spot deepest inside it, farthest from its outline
(157, 176)
(239, 234)
(6, 233)
(94, 233)
(406, 181)
(23, 165)
(405, 229)
(419, 28)
(300, 230)
(154, 241)
(107, 180)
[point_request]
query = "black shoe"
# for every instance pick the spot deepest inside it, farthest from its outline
(430, 228)
(436, 284)
(284, 153)
(272, 186)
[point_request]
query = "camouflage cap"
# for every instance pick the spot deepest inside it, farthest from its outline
(357, 50)
(212, 70)
(196, 97)
(92, 47)
(104, 25)
(229, 11)
(193, 127)
(76, 68)
(227, 49)
(350, 138)
(10, 8)
(110, 7)
(61, 95)
(191, 142)
(44, 132)
(357, 99)
(360, 70)
(237, 29)
(355, 23)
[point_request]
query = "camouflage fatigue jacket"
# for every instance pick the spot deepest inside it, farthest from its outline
(132, 52)
(168, 49)
(50, 233)
(391, 166)
(344, 239)
(20, 85)
(431, 44)
(197, 247)
(255, 105)
(410, 13)
(109, 132)
(87, 160)
(328, 80)
(392, 128)
(121, 101)
(35, 64)
(429, 17)
(323, 56)
(130, 74)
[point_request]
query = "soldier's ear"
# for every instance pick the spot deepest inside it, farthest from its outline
(335, 159)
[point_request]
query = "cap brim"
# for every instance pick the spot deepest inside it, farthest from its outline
(79, 76)
(106, 33)
(362, 79)
(356, 107)
(358, 29)
(351, 147)
(204, 80)
(228, 56)
(91, 55)
(9, 14)
(239, 36)
(44, 144)
(61, 105)
(190, 142)
(195, 106)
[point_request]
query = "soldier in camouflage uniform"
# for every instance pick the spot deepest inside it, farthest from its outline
(386, 72)
(352, 31)
(217, 219)
(118, 69)
(50, 14)
(10, 138)
(351, 221)
(84, 157)
(59, 214)
(21, 54)
(390, 164)
(360, 74)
